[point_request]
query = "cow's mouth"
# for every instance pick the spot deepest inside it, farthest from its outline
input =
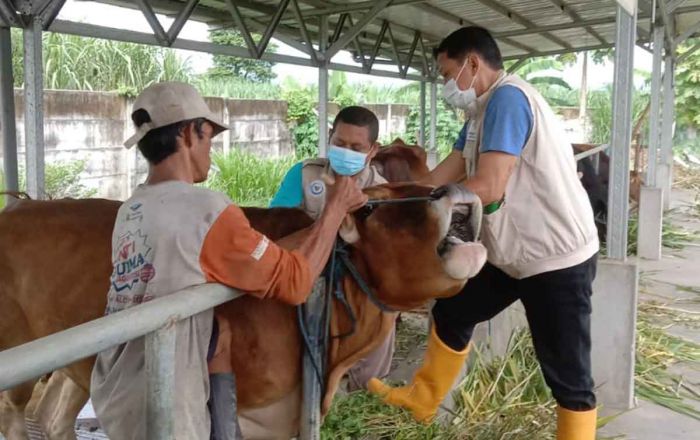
(460, 226)
(461, 229)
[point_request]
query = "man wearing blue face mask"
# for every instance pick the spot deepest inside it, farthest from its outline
(353, 145)
(537, 227)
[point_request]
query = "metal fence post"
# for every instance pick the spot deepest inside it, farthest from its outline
(618, 191)
(7, 112)
(665, 168)
(655, 110)
(432, 152)
(314, 309)
(34, 108)
(421, 119)
(323, 88)
(160, 383)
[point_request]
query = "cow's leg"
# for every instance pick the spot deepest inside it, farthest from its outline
(59, 407)
(12, 417)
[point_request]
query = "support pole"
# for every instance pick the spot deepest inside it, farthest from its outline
(34, 108)
(618, 193)
(651, 197)
(421, 118)
(316, 325)
(432, 153)
(323, 89)
(160, 383)
(7, 113)
(655, 110)
(665, 168)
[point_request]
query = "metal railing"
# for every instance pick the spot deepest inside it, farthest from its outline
(154, 319)
(595, 152)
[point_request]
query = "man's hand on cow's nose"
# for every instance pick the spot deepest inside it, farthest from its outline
(345, 195)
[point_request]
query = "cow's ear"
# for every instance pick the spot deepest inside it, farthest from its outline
(348, 230)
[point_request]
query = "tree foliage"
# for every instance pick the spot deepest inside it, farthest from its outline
(78, 63)
(688, 87)
(226, 66)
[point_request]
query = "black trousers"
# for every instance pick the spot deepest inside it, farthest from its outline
(558, 309)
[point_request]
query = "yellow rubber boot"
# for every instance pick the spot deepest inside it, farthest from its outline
(576, 425)
(431, 383)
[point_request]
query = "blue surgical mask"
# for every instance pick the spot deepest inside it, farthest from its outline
(345, 161)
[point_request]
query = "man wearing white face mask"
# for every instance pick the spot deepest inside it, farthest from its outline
(538, 229)
(353, 145)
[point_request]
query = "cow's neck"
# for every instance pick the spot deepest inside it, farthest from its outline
(372, 326)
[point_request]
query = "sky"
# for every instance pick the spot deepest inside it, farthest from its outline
(112, 16)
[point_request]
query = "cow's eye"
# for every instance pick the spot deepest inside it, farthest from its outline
(365, 212)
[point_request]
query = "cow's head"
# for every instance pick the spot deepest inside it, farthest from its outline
(400, 162)
(413, 251)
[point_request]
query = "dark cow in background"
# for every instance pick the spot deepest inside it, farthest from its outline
(596, 185)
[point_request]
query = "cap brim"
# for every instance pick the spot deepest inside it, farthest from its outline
(217, 124)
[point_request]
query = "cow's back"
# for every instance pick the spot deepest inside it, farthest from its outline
(41, 245)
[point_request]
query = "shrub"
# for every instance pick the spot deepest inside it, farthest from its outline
(62, 179)
(249, 180)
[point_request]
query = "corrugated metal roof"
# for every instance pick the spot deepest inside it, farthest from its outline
(522, 27)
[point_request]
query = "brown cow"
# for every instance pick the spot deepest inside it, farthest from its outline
(55, 267)
(400, 162)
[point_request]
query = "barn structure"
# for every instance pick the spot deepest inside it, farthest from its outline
(399, 34)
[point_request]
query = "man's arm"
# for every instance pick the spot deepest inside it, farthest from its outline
(290, 192)
(450, 170)
(491, 177)
(316, 241)
(507, 126)
(238, 256)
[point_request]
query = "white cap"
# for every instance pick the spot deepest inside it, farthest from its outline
(168, 103)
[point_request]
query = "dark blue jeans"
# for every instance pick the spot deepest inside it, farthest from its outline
(558, 309)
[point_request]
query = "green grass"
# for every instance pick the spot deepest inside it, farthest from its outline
(247, 179)
(236, 88)
(507, 398)
(500, 398)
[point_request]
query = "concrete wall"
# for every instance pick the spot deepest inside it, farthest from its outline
(91, 126)
(393, 118)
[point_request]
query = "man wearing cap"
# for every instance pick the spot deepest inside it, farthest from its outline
(170, 235)
(538, 229)
(353, 145)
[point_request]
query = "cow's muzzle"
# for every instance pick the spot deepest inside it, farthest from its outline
(459, 213)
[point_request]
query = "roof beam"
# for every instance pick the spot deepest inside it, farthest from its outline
(153, 22)
(563, 7)
(181, 19)
(103, 32)
(9, 16)
(305, 32)
(331, 9)
(666, 19)
(462, 22)
(687, 34)
(377, 45)
(517, 18)
(518, 64)
(356, 29)
(560, 51)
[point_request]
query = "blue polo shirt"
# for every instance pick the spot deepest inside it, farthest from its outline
(291, 191)
(507, 123)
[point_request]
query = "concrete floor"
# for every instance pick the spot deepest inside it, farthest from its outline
(668, 281)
